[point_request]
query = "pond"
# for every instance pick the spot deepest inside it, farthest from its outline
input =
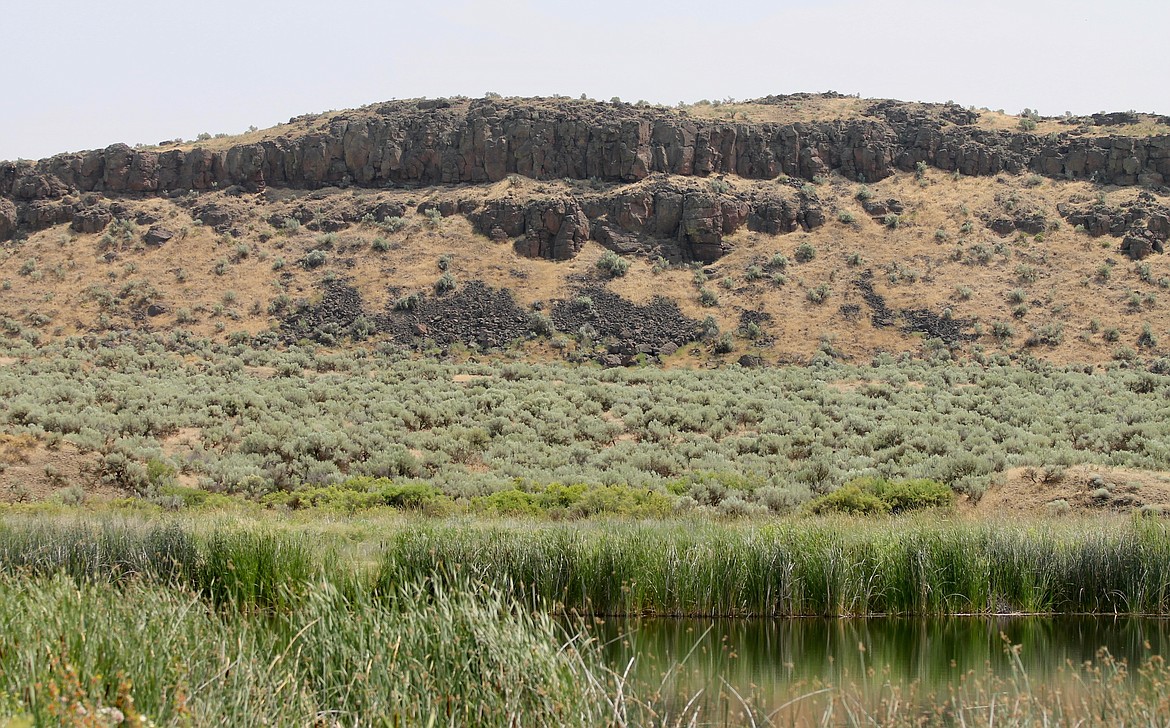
(797, 669)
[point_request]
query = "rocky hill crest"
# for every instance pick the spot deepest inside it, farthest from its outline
(447, 142)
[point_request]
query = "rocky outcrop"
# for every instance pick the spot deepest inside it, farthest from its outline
(214, 215)
(489, 318)
(411, 143)
(1015, 213)
(878, 209)
(668, 218)
(1028, 222)
(474, 314)
(39, 214)
(545, 227)
(1142, 224)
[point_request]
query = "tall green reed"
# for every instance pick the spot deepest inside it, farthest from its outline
(793, 568)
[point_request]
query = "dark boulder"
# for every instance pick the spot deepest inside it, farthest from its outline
(214, 216)
(157, 236)
(91, 219)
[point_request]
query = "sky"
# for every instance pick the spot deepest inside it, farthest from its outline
(80, 74)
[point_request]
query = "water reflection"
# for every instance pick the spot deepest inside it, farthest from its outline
(772, 660)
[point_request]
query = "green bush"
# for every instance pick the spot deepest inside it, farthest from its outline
(724, 344)
(540, 324)
(818, 294)
(362, 493)
(314, 259)
(621, 500)
(613, 264)
(850, 499)
(871, 496)
(445, 284)
(511, 502)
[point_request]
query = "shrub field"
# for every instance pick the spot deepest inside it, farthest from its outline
(173, 421)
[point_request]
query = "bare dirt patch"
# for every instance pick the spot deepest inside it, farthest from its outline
(1084, 488)
(32, 471)
(467, 378)
(183, 440)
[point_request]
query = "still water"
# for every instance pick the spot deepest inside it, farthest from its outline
(769, 662)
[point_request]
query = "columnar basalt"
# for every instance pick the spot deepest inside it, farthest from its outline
(417, 143)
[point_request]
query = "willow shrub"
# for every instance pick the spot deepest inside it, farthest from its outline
(864, 496)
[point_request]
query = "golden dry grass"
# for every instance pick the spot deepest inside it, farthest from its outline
(821, 109)
(791, 111)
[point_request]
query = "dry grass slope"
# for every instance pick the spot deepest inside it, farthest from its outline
(1060, 295)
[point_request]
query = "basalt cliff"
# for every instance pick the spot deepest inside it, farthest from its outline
(411, 144)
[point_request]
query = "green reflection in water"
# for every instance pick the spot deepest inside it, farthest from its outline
(770, 661)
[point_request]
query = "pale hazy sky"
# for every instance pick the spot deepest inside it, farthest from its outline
(82, 74)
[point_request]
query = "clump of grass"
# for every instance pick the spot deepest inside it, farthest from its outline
(818, 294)
(1147, 339)
(823, 567)
(408, 302)
(313, 259)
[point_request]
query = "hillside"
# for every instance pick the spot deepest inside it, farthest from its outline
(771, 230)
